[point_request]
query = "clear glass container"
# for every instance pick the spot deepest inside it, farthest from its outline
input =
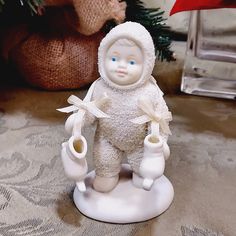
(210, 63)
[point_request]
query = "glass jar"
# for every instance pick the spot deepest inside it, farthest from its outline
(210, 63)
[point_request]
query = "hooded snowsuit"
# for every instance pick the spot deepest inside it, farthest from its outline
(117, 136)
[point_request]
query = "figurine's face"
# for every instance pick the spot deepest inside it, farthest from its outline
(124, 62)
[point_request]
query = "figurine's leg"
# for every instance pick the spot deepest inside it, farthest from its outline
(107, 161)
(134, 159)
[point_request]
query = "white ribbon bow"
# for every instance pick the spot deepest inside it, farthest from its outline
(91, 107)
(151, 115)
(81, 106)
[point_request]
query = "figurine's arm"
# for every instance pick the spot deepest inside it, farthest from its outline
(88, 120)
(90, 107)
(74, 150)
(99, 102)
(156, 150)
(161, 108)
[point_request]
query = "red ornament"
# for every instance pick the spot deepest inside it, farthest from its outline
(187, 5)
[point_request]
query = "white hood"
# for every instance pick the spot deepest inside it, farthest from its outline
(137, 33)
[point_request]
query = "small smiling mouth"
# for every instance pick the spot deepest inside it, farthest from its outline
(121, 72)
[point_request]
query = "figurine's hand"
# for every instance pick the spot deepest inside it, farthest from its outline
(166, 150)
(70, 123)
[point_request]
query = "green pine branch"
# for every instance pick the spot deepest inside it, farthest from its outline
(31, 4)
(152, 19)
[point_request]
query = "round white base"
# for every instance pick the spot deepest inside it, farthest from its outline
(125, 203)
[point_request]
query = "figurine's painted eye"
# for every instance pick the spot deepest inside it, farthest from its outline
(132, 62)
(114, 59)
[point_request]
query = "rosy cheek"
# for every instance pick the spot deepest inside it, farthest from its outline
(112, 66)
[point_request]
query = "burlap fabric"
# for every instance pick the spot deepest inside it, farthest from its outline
(89, 16)
(62, 55)
(93, 14)
(66, 61)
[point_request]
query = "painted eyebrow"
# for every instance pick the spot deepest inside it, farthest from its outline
(116, 53)
(130, 57)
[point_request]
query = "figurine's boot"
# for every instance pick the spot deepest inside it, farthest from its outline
(153, 163)
(137, 180)
(73, 158)
(105, 184)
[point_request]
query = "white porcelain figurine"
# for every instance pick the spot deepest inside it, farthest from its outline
(132, 122)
